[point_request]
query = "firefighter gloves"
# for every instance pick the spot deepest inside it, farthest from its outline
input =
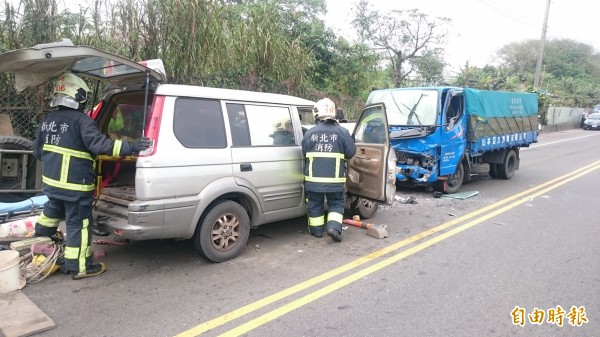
(140, 144)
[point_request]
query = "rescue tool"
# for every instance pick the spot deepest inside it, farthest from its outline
(372, 230)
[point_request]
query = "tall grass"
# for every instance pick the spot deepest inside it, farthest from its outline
(205, 42)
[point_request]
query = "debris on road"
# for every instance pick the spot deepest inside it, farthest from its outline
(462, 195)
(410, 200)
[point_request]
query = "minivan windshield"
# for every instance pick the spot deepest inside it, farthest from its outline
(407, 107)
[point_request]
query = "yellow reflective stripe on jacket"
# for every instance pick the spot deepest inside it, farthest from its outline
(325, 155)
(117, 148)
(334, 155)
(47, 221)
(64, 168)
(68, 186)
(325, 180)
(68, 152)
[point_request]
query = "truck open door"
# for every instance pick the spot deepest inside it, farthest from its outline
(372, 170)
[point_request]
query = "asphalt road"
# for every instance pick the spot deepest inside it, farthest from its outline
(450, 267)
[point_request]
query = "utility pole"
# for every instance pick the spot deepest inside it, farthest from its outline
(538, 67)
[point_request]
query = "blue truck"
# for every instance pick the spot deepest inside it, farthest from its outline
(442, 136)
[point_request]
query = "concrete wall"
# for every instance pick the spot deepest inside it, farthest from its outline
(562, 118)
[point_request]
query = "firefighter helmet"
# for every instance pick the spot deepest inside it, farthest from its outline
(280, 125)
(70, 91)
(324, 109)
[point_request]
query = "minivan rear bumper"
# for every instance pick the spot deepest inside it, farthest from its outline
(139, 225)
(146, 220)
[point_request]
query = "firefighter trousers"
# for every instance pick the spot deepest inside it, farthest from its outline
(316, 212)
(78, 220)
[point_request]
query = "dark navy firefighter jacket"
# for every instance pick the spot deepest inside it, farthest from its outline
(326, 148)
(67, 143)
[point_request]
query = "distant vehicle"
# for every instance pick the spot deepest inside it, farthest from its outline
(592, 122)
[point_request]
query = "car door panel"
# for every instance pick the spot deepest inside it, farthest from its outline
(371, 172)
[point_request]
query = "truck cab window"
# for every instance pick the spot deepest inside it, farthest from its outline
(453, 112)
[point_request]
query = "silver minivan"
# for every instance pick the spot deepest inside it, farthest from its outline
(222, 161)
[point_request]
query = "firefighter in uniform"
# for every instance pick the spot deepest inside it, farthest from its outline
(67, 143)
(326, 148)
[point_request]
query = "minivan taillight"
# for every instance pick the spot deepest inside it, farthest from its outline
(153, 125)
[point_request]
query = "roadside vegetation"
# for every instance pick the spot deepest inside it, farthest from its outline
(284, 46)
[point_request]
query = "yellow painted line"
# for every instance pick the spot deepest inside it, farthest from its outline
(251, 307)
(284, 309)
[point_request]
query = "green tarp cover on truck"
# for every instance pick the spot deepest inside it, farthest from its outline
(500, 119)
(489, 104)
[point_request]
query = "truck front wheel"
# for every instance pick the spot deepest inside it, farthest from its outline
(223, 233)
(507, 169)
(455, 181)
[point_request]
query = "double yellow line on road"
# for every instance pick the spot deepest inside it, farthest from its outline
(482, 215)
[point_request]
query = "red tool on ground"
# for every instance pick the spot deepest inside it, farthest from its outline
(372, 230)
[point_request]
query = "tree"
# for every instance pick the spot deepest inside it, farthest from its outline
(355, 69)
(521, 56)
(571, 69)
(403, 36)
(430, 67)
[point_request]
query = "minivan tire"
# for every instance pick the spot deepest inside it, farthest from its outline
(223, 233)
(364, 208)
(18, 143)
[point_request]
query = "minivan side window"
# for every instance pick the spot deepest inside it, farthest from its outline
(270, 125)
(198, 123)
(238, 122)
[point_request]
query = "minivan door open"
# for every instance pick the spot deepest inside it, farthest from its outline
(372, 170)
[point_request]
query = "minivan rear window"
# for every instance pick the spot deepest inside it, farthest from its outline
(198, 123)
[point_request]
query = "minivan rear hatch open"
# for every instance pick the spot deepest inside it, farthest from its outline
(39, 64)
(44, 62)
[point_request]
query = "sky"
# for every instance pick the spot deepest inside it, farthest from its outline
(480, 27)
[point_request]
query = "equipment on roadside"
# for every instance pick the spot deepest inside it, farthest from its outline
(372, 230)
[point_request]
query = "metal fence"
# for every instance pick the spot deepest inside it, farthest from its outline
(21, 112)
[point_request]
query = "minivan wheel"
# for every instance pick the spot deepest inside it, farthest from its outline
(223, 232)
(364, 208)
(8, 183)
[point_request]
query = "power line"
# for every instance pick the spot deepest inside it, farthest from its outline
(509, 13)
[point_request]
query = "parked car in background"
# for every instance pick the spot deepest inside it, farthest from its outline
(592, 122)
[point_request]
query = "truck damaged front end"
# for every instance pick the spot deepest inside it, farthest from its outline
(416, 167)
(414, 120)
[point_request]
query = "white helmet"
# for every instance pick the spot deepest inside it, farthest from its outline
(324, 109)
(70, 91)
